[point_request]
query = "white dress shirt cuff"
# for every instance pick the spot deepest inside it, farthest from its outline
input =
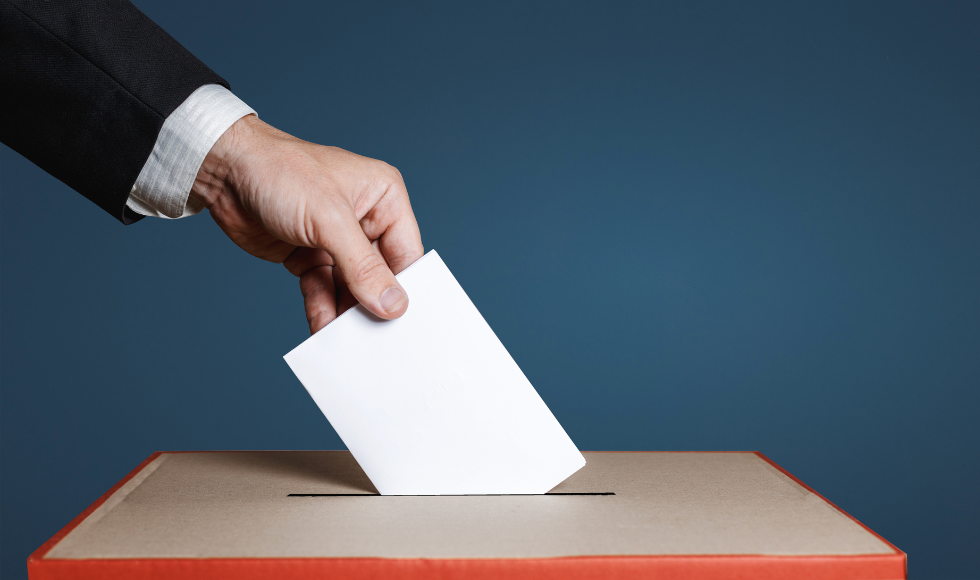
(164, 185)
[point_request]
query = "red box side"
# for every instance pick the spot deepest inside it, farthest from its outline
(885, 567)
(679, 567)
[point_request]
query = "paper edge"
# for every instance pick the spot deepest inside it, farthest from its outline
(506, 350)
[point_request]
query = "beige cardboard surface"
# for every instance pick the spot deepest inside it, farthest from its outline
(236, 504)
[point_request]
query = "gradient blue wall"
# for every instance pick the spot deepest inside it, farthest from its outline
(695, 226)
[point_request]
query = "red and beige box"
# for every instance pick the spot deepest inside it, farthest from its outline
(314, 514)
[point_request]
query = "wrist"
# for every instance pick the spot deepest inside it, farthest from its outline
(220, 172)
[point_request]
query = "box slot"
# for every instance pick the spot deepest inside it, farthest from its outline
(446, 495)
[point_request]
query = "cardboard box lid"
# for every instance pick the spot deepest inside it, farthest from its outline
(257, 504)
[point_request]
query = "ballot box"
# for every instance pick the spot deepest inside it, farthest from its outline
(314, 514)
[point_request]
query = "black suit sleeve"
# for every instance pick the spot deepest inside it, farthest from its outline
(87, 85)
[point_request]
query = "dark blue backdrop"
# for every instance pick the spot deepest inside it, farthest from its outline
(698, 226)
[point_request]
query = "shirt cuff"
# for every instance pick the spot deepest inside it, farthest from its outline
(164, 185)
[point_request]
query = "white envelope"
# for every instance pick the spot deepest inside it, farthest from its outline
(432, 403)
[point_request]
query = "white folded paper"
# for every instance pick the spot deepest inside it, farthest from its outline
(432, 403)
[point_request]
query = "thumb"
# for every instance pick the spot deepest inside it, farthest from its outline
(366, 272)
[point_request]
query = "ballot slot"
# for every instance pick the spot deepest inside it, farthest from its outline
(451, 495)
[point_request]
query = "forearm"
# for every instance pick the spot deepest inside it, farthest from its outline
(88, 86)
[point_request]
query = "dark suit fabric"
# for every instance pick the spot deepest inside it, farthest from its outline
(87, 85)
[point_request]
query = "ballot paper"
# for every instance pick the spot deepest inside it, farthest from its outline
(432, 403)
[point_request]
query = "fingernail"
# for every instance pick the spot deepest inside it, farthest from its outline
(392, 299)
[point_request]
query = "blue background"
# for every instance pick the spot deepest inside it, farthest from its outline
(699, 226)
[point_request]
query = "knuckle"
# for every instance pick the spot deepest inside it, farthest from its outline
(311, 288)
(305, 260)
(319, 319)
(295, 262)
(392, 172)
(403, 257)
(368, 267)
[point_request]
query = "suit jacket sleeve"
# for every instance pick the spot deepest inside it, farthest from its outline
(87, 85)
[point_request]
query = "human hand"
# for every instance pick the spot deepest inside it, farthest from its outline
(340, 222)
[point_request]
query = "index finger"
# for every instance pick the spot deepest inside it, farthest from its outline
(392, 223)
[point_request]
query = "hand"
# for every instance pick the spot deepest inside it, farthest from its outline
(339, 221)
